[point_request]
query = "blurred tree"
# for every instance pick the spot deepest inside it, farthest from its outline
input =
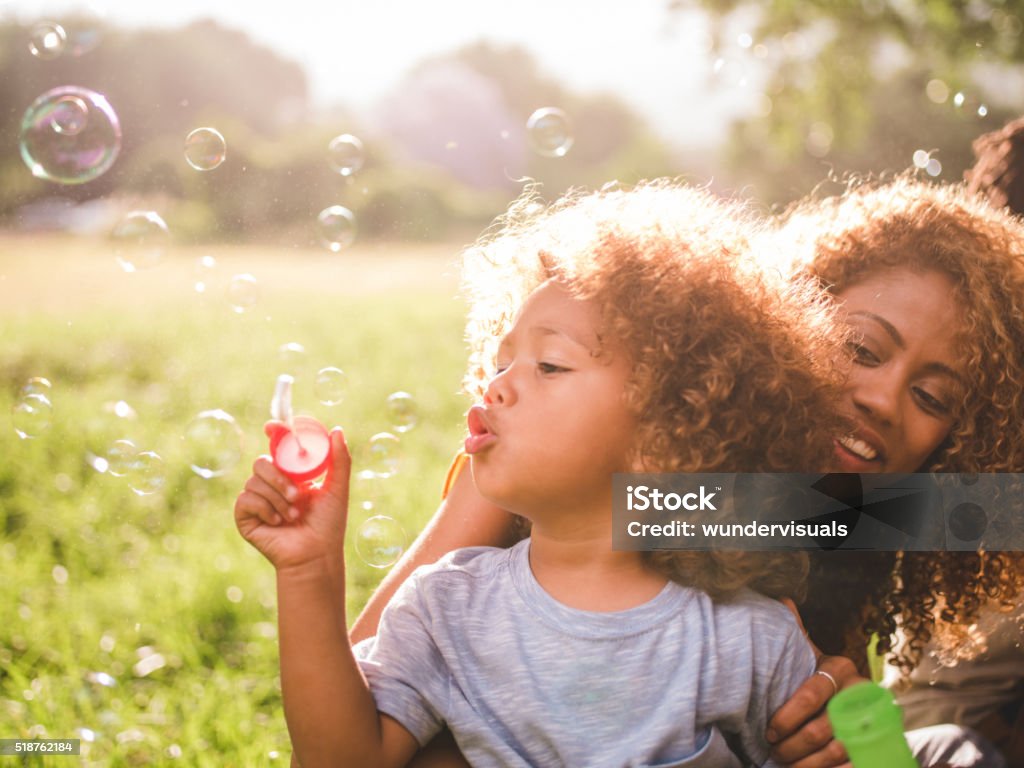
(467, 111)
(446, 152)
(860, 86)
(162, 84)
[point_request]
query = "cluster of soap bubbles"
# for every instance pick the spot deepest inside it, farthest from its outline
(380, 540)
(144, 471)
(71, 135)
(925, 162)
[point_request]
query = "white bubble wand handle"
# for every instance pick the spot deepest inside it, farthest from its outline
(281, 405)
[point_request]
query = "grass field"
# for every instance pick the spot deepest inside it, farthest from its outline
(143, 624)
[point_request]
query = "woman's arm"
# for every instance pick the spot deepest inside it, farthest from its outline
(463, 519)
(799, 731)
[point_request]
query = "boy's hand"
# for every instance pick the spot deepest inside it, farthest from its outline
(293, 526)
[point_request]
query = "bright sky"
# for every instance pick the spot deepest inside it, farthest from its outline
(353, 52)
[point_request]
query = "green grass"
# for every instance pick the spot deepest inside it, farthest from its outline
(95, 579)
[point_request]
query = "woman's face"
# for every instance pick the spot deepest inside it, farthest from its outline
(906, 376)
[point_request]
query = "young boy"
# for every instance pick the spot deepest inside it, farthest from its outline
(615, 332)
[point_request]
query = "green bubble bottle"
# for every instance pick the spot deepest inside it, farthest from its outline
(869, 723)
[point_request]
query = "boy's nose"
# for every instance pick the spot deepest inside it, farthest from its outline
(500, 390)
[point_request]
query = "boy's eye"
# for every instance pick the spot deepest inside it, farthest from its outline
(551, 368)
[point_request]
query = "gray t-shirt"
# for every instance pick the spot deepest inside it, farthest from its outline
(475, 643)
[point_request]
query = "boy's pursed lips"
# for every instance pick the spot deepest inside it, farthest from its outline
(481, 433)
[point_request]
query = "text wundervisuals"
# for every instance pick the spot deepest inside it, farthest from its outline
(677, 528)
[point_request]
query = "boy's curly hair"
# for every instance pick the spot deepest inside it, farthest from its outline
(733, 367)
(909, 223)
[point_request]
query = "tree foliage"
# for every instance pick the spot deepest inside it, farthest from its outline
(860, 86)
(445, 151)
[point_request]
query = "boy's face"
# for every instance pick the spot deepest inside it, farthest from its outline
(554, 425)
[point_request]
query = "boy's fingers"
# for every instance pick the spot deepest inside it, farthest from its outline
(336, 482)
(251, 505)
(262, 488)
(264, 468)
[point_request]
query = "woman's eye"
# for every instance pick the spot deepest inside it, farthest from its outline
(551, 368)
(932, 403)
(862, 354)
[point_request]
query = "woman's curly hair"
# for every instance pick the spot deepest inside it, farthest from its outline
(733, 367)
(909, 223)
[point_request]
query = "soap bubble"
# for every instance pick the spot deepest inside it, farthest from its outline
(213, 442)
(921, 158)
(330, 385)
(140, 240)
(243, 292)
(205, 149)
(549, 132)
(146, 474)
(402, 411)
(384, 453)
(292, 356)
(47, 40)
(336, 228)
(37, 385)
(380, 541)
(120, 456)
(345, 154)
(70, 135)
(204, 270)
(31, 415)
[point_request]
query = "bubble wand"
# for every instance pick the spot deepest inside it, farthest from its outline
(281, 406)
(302, 447)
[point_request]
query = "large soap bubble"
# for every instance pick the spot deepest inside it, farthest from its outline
(70, 135)
(213, 441)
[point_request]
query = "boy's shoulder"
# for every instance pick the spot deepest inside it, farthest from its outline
(756, 609)
(467, 562)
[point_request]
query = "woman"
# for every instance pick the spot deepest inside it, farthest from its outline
(946, 273)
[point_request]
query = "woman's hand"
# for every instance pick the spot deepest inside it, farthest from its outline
(292, 526)
(800, 732)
